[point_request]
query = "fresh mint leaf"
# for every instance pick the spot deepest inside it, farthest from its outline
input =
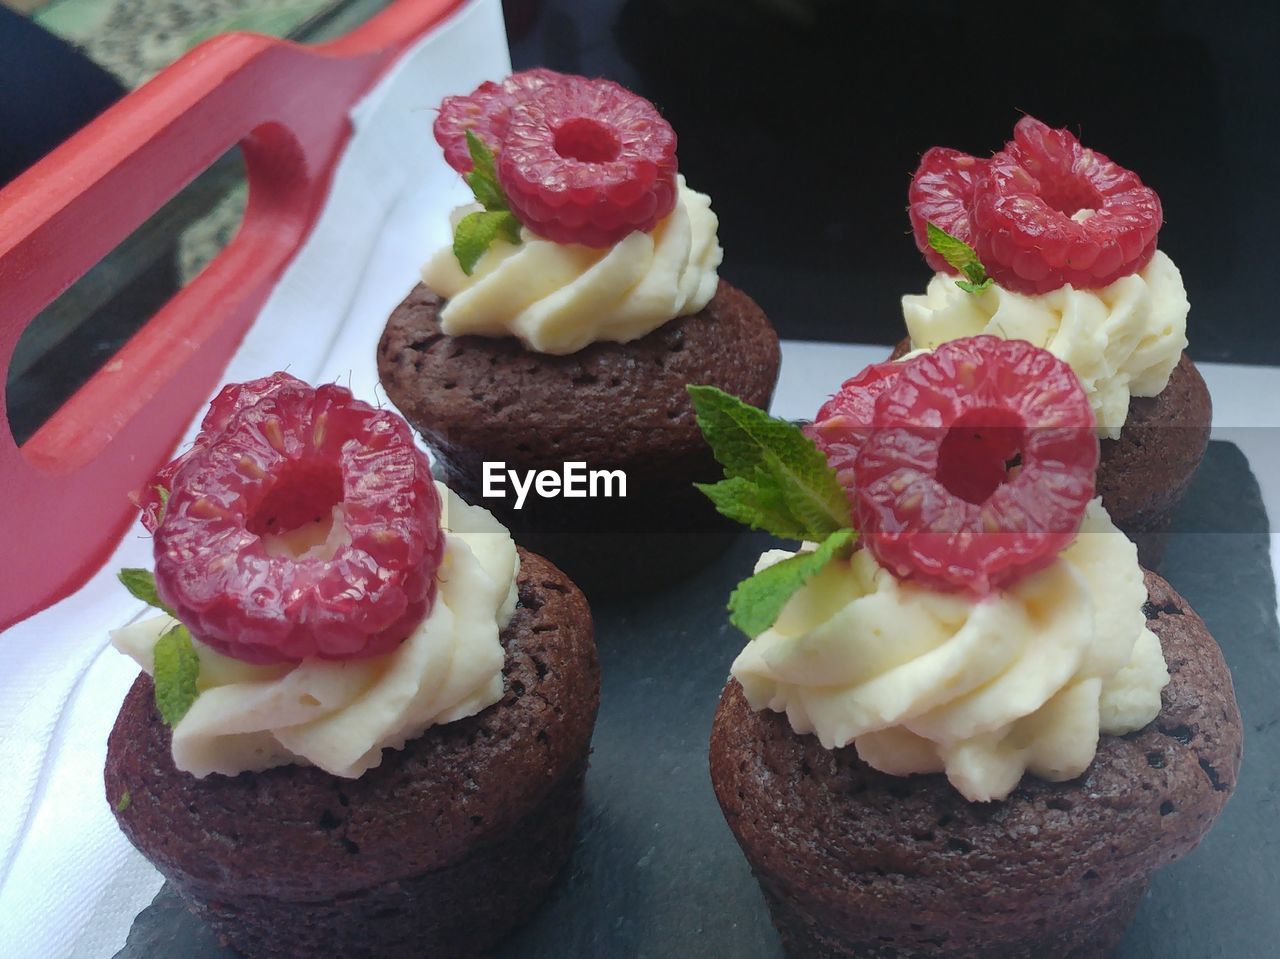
(748, 504)
(483, 178)
(961, 256)
(142, 585)
(163, 494)
(476, 232)
(757, 602)
(176, 664)
(776, 479)
(177, 667)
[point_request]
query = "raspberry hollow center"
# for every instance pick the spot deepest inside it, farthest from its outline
(980, 453)
(298, 513)
(587, 140)
(1070, 195)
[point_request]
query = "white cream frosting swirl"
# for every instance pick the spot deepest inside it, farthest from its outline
(1122, 340)
(984, 690)
(341, 715)
(558, 298)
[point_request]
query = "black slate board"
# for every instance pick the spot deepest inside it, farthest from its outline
(657, 874)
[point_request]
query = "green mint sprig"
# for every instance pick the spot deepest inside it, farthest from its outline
(776, 480)
(476, 231)
(757, 602)
(961, 256)
(142, 585)
(177, 665)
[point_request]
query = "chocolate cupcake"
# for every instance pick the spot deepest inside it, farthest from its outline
(568, 334)
(1066, 241)
(358, 784)
(442, 849)
(976, 726)
(856, 862)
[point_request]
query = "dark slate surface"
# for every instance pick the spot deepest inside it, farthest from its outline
(657, 874)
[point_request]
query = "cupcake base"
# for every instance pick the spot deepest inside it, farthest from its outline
(1143, 474)
(469, 906)
(854, 862)
(441, 850)
(1096, 934)
(610, 406)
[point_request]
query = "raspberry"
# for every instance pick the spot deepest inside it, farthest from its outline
(845, 421)
(1019, 211)
(941, 193)
(485, 111)
(230, 400)
(303, 523)
(587, 161)
(937, 498)
(1024, 206)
